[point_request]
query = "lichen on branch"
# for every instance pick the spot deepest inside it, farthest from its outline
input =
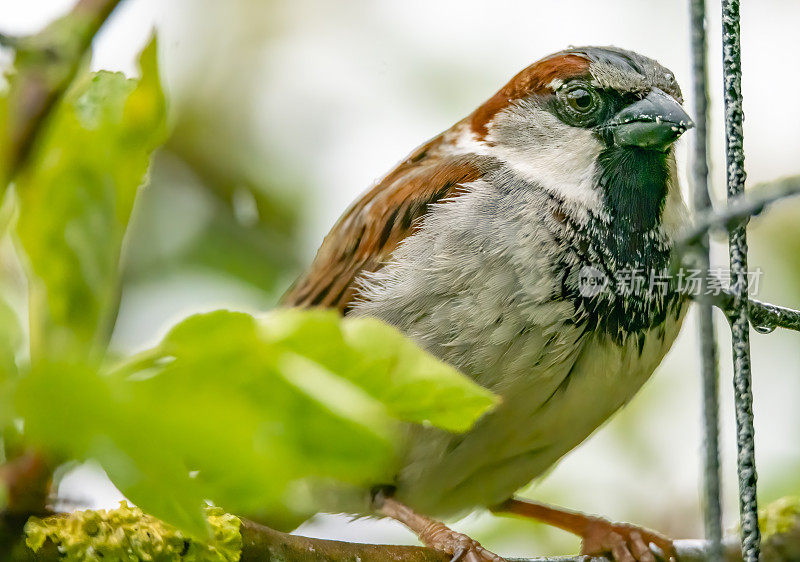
(126, 533)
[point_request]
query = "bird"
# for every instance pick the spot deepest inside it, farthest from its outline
(521, 247)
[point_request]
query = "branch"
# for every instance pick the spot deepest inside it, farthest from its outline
(46, 65)
(127, 530)
(8, 41)
(273, 545)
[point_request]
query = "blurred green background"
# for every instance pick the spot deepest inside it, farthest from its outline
(281, 112)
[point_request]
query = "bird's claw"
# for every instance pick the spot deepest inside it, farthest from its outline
(462, 548)
(626, 543)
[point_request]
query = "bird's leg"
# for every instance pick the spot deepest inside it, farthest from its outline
(434, 534)
(627, 543)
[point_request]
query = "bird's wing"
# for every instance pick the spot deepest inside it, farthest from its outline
(366, 235)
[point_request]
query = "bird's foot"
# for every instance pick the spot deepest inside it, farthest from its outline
(434, 534)
(461, 547)
(625, 542)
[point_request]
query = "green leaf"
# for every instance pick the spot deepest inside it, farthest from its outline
(71, 410)
(217, 405)
(413, 385)
(418, 387)
(11, 338)
(249, 412)
(224, 354)
(75, 200)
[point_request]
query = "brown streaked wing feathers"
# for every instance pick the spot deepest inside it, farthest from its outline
(366, 235)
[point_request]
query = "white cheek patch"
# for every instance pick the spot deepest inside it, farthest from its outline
(543, 150)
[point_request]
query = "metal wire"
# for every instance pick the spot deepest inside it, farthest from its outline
(740, 326)
(709, 361)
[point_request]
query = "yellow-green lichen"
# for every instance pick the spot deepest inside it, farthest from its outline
(127, 534)
(781, 516)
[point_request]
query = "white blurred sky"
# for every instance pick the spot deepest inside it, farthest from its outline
(353, 56)
(342, 92)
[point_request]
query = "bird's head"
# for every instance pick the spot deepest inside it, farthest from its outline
(595, 125)
(618, 97)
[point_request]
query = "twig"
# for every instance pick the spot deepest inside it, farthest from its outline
(26, 480)
(49, 62)
(8, 41)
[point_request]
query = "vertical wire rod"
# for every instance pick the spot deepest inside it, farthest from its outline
(740, 326)
(709, 360)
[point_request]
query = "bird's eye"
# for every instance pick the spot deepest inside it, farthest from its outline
(581, 100)
(579, 104)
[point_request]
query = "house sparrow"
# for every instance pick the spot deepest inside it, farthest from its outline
(503, 246)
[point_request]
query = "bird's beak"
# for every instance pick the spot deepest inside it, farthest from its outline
(654, 122)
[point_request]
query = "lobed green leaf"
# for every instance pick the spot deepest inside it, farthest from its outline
(413, 385)
(75, 199)
(248, 412)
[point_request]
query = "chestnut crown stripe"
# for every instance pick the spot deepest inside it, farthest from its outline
(535, 79)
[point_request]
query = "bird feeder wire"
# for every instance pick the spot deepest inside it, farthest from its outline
(709, 361)
(737, 247)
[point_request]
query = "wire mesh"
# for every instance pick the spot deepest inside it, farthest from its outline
(737, 247)
(709, 360)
